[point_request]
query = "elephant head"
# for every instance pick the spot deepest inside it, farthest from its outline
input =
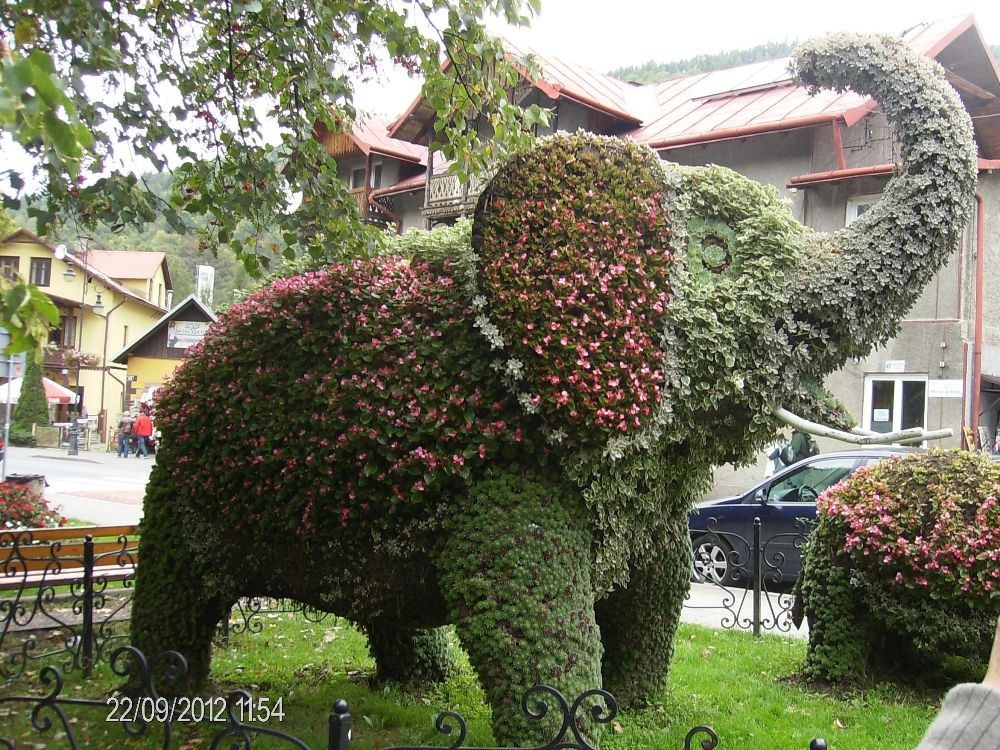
(634, 298)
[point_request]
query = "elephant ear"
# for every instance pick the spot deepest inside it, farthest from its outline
(573, 238)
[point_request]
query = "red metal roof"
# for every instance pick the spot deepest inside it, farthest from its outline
(562, 78)
(372, 134)
(735, 103)
(761, 97)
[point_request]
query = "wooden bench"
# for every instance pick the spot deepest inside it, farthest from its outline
(56, 580)
(63, 556)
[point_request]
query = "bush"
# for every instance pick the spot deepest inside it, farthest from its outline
(20, 508)
(22, 438)
(904, 565)
(32, 408)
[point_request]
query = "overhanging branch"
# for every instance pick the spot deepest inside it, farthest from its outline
(857, 435)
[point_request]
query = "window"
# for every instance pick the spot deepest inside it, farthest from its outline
(125, 337)
(357, 178)
(41, 271)
(858, 204)
(376, 181)
(809, 482)
(895, 402)
(65, 335)
(9, 265)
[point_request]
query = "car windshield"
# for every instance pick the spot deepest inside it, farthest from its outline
(815, 477)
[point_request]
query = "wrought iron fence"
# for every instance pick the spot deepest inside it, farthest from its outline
(62, 600)
(748, 581)
(238, 719)
(70, 602)
(246, 615)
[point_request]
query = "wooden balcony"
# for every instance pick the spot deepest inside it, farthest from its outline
(361, 196)
(55, 359)
(448, 196)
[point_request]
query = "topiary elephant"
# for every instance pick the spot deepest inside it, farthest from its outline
(504, 430)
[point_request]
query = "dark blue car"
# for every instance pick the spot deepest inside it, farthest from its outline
(722, 530)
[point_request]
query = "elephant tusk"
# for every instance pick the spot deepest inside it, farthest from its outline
(857, 435)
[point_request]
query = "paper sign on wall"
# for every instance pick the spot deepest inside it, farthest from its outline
(944, 388)
(894, 365)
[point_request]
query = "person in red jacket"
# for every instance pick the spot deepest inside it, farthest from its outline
(143, 429)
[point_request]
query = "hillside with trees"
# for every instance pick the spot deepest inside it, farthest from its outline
(651, 71)
(184, 251)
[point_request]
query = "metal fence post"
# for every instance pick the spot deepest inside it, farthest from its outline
(339, 737)
(87, 635)
(757, 565)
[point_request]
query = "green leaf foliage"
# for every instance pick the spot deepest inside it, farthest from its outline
(230, 97)
(902, 567)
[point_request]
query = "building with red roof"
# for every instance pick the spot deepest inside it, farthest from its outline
(830, 155)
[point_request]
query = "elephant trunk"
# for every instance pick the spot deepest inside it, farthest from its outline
(853, 287)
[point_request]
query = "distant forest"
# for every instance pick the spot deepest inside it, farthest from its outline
(651, 71)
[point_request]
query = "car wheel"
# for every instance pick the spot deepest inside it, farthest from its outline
(711, 560)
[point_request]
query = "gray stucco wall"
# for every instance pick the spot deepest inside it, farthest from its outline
(936, 336)
(407, 206)
(989, 189)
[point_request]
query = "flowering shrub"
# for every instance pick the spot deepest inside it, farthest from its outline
(905, 556)
(574, 241)
(22, 509)
(383, 403)
(943, 536)
(74, 357)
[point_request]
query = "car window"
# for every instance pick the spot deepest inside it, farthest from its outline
(815, 477)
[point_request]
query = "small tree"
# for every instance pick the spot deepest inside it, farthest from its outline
(31, 406)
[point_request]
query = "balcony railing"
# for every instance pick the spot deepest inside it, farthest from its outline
(361, 196)
(447, 190)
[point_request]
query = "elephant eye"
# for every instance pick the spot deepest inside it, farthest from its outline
(714, 254)
(711, 246)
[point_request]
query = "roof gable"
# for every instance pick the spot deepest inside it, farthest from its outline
(189, 303)
(557, 79)
(762, 98)
(130, 264)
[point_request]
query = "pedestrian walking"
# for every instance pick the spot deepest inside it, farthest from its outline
(143, 431)
(125, 426)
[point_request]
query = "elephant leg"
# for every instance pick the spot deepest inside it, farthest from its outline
(175, 607)
(515, 569)
(409, 656)
(638, 623)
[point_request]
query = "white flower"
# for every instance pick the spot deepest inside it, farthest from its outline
(527, 403)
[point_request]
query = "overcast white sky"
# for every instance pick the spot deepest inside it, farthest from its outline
(607, 34)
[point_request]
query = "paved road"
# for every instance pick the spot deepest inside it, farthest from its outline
(92, 486)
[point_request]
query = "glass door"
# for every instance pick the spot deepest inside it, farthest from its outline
(895, 402)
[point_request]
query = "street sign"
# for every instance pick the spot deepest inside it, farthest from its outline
(10, 366)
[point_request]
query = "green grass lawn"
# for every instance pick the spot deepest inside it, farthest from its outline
(746, 689)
